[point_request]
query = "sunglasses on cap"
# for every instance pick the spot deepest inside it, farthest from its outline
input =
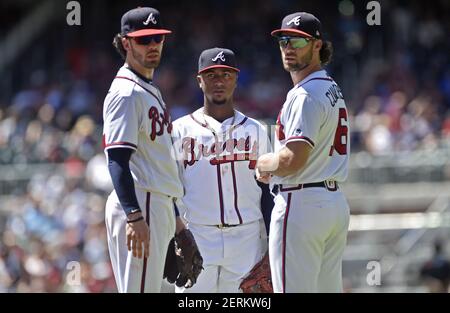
(296, 42)
(145, 40)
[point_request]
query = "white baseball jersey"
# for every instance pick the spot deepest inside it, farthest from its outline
(217, 162)
(309, 223)
(136, 117)
(220, 157)
(315, 112)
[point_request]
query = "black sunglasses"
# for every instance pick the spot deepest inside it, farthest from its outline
(145, 40)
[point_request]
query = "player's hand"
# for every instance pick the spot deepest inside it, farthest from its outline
(138, 236)
(263, 177)
(265, 165)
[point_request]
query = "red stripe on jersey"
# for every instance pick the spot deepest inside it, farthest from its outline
(147, 219)
(283, 256)
(242, 122)
(279, 128)
(197, 121)
(219, 184)
(120, 143)
(316, 78)
(235, 193)
(146, 89)
(331, 151)
(302, 138)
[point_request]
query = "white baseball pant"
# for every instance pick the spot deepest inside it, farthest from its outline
(228, 255)
(308, 234)
(146, 274)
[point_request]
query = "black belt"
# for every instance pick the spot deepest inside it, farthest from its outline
(279, 188)
(226, 225)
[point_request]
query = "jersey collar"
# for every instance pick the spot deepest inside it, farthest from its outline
(200, 118)
(137, 75)
(316, 74)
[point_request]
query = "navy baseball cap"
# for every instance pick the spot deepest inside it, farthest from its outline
(217, 58)
(301, 23)
(142, 22)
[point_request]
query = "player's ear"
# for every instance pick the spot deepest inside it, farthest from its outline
(125, 43)
(318, 44)
(199, 81)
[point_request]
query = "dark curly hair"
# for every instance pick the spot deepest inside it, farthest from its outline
(326, 52)
(117, 43)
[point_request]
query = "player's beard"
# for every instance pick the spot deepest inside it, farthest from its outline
(141, 59)
(304, 62)
(220, 102)
(217, 101)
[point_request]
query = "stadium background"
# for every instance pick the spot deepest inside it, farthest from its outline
(53, 180)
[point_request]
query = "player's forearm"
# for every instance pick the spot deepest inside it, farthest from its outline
(283, 163)
(288, 163)
(118, 165)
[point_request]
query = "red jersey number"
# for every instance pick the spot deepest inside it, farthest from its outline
(341, 136)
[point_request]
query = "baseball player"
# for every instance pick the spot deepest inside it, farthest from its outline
(140, 218)
(310, 219)
(222, 204)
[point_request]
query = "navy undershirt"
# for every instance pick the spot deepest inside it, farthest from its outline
(119, 169)
(267, 204)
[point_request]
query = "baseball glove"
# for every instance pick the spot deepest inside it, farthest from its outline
(183, 260)
(258, 279)
(171, 271)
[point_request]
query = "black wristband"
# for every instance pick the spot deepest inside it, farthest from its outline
(135, 220)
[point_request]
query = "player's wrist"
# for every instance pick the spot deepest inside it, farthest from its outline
(137, 219)
(134, 214)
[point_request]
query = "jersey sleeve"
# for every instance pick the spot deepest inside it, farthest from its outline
(303, 120)
(121, 123)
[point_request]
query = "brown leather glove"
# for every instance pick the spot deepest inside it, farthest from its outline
(171, 271)
(258, 279)
(183, 261)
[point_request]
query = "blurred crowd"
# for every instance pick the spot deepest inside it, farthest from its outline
(395, 78)
(53, 237)
(435, 272)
